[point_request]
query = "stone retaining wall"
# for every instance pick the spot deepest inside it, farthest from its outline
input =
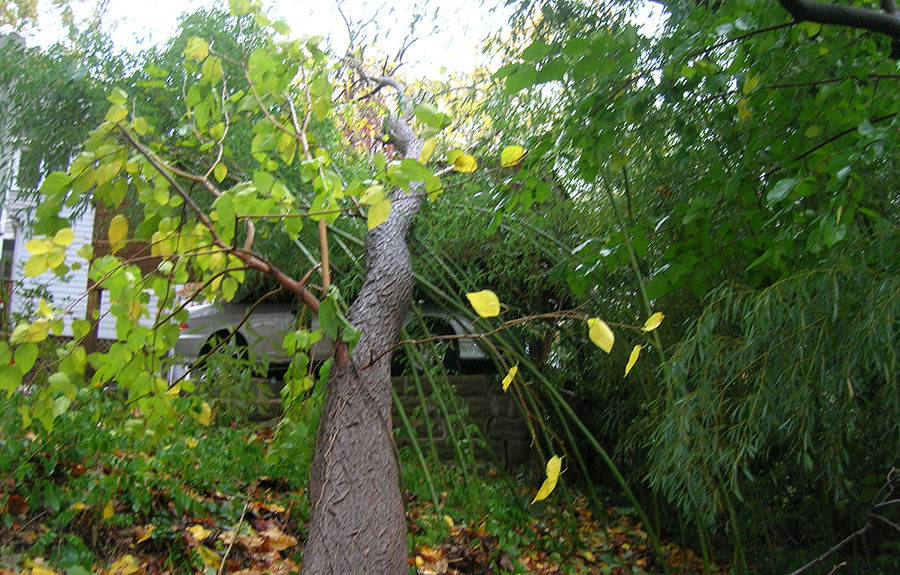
(494, 412)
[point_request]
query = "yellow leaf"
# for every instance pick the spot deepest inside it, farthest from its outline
(192, 442)
(147, 532)
(38, 570)
(372, 195)
(45, 309)
(632, 359)
(197, 48)
(38, 246)
(588, 556)
(653, 322)
(36, 265)
(64, 237)
(126, 565)
(205, 415)
(485, 303)
(78, 506)
(750, 84)
(118, 231)
(117, 113)
(554, 467)
(56, 257)
(378, 213)
(553, 470)
(511, 156)
(109, 510)
(743, 111)
(510, 376)
(199, 532)
(210, 558)
(140, 126)
(278, 539)
(427, 150)
(448, 520)
(600, 334)
(464, 163)
(545, 490)
(134, 309)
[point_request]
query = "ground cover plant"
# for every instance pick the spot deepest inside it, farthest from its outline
(207, 499)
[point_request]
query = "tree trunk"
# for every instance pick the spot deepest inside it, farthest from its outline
(358, 524)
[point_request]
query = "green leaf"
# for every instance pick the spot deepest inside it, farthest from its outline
(212, 70)
(117, 96)
(60, 406)
(10, 378)
(524, 76)
(25, 356)
(328, 319)
(55, 183)
(372, 195)
(239, 7)
(750, 84)
(264, 181)
(781, 190)
(536, 51)
(281, 27)
(425, 113)
(415, 171)
(220, 171)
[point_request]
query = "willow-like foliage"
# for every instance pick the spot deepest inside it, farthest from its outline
(782, 390)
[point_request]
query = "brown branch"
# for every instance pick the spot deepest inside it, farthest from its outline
(570, 314)
(159, 168)
(886, 490)
(252, 260)
(304, 144)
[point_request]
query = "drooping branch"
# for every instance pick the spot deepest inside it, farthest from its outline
(251, 260)
(884, 494)
(886, 22)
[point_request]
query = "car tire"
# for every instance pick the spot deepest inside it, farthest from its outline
(236, 346)
(445, 352)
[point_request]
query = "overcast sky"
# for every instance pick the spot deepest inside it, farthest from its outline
(450, 32)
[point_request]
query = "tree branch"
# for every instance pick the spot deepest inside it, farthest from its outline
(887, 22)
(250, 259)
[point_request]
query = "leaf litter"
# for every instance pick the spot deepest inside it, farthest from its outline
(268, 536)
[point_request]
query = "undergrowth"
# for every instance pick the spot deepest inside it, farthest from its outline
(91, 499)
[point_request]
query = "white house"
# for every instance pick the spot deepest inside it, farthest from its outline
(20, 294)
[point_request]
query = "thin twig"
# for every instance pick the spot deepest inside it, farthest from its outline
(234, 537)
(570, 314)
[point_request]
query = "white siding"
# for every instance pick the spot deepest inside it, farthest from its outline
(68, 292)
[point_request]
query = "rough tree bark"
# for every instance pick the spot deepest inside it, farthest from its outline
(358, 524)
